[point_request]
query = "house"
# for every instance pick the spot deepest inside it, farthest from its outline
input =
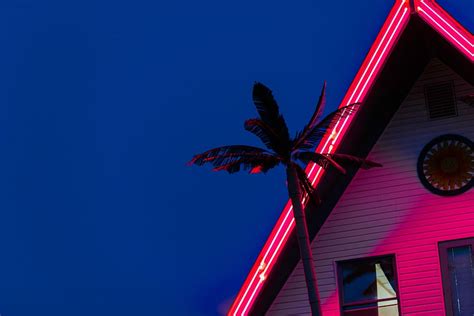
(397, 240)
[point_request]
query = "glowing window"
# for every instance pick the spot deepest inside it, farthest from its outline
(368, 287)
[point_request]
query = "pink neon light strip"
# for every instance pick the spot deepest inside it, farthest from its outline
(448, 24)
(378, 53)
(373, 56)
(440, 20)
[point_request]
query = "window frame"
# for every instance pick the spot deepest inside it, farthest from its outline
(340, 283)
(444, 270)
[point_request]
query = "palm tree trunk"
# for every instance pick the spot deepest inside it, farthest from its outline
(303, 239)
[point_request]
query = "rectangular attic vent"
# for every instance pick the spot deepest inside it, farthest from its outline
(440, 100)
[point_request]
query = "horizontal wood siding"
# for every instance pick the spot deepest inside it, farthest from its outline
(388, 211)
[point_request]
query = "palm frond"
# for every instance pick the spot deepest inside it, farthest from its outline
(233, 158)
(269, 112)
(306, 185)
(310, 138)
(324, 160)
(318, 112)
(350, 160)
(264, 132)
(226, 154)
(254, 165)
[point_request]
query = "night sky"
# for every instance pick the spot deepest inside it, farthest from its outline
(102, 103)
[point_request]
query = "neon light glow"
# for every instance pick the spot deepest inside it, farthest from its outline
(441, 21)
(360, 86)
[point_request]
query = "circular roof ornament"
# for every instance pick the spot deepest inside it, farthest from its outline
(446, 165)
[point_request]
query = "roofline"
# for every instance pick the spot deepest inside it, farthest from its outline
(370, 69)
(440, 20)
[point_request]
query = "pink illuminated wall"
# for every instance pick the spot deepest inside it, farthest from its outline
(373, 63)
(388, 211)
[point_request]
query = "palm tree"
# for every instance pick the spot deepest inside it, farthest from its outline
(272, 130)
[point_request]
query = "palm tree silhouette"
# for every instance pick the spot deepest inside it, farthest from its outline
(272, 130)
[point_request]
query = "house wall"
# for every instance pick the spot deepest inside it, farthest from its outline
(388, 211)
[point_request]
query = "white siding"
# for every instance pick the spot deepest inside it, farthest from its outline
(387, 211)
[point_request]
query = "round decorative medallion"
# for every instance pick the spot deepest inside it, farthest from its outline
(446, 165)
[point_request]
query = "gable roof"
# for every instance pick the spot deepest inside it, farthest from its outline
(412, 34)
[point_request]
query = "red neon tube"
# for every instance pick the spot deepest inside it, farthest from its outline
(447, 26)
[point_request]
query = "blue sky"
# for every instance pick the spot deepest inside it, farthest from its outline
(104, 102)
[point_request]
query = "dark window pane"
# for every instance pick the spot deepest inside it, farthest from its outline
(368, 280)
(461, 274)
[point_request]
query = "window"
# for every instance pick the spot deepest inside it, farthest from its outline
(368, 287)
(457, 270)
